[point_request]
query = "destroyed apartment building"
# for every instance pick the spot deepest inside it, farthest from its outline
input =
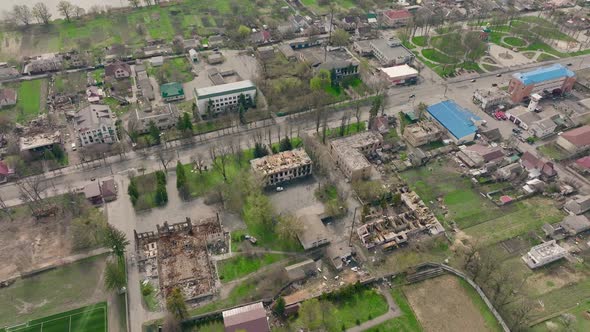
(349, 153)
(389, 232)
(283, 166)
(178, 256)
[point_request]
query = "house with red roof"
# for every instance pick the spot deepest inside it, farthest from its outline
(5, 172)
(575, 140)
(396, 18)
(583, 165)
(537, 167)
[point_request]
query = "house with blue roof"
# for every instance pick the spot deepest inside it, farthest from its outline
(459, 122)
(553, 80)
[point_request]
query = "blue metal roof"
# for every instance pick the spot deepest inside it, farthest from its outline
(542, 74)
(457, 120)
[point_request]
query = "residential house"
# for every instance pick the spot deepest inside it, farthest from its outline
(288, 52)
(396, 18)
(422, 133)
(260, 37)
(543, 254)
(537, 167)
(100, 192)
(95, 124)
(156, 61)
(94, 94)
(172, 91)
(215, 58)
(8, 97)
(578, 205)
(43, 64)
(92, 192)
(8, 73)
(117, 70)
(575, 140)
(478, 155)
(143, 83)
(5, 172)
(109, 190)
(313, 232)
(248, 318)
(508, 172)
(583, 165)
(193, 55)
(214, 41)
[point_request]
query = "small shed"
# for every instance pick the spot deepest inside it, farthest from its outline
(157, 61)
(193, 55)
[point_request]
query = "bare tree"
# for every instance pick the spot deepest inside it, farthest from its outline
(165, 158)
(66, 9)
(520, 315)
(41, 13)
(198, 162)
(135, 3)
(5, 208)
(22, 14)
(79, 11)
(220, 158)
(31, 190)
(148, 2)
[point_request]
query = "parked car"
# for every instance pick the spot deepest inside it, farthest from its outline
(279, 189)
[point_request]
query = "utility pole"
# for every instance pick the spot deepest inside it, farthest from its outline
(352, 227)
(329, 33)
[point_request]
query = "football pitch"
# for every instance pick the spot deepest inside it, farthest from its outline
(92, 318)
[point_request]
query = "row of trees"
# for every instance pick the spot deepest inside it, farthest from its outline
(23, 14)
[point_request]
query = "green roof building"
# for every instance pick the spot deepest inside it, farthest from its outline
(172, 91)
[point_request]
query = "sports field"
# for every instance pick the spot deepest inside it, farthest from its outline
(92, 318)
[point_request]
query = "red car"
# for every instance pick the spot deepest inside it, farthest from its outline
(499, 115)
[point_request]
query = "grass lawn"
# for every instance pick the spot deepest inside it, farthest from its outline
(465, 205)
(419, 41)
(92, 318)
(239, 266)
(529, 215)
(515, 41)
(146, 185)
(436, 56)
(546, 57)
(407, 322)
(296, 142)
(53, 291)
(362, 306)
(173, 70)
(201, 183)
(490, 67)
(349, 129)
(28, 104)
(551, 150)
(582, 322)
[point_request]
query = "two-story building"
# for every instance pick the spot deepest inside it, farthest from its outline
(95, 124)
(218, 98)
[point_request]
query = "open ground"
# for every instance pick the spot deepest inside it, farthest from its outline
(444, 304)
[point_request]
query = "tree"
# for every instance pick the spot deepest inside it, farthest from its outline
(421, 109)
(288, 227)
(132, 191)
(116, 240)
(187, 123)
(22, 14)
(171, 324)
(66, 9)
(176, 305)
(340, 37)
(220, 158)
(243, 32)
(181, 180)
(321, 81)
(5, 208)
(135, 3)
(41, 13)
(115, 277)
(79, 11)
(310, 315)
(285, 144)
(148, 2)
(280, 306)
(161, 195)
(154, 132)
(260, 150)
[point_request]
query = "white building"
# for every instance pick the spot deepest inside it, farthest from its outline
(224, 96)
(95, 124)
(164, 117)
(490, 98)
(399, 75)
(544, 253)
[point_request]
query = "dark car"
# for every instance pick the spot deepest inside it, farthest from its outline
(569, 64)
(494, 85)
(499, 75)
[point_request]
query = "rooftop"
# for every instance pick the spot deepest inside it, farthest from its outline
(223, 89)
(93, 116)
(579, 136)
(41, 140)
(542, 74)
(281, 161)
(546, 250)
(248, 318)
(397, 71)
(398, 14)
(390, 52)
(458, 121)
(349, 146)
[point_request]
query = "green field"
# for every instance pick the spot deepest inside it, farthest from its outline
(239, 266)
(515, 41)
(436, 56)
(64, 288)
(28, 104)
(419, 41)
(92, 318)
(407, 322)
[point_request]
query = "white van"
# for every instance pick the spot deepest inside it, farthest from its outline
(73, 146)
